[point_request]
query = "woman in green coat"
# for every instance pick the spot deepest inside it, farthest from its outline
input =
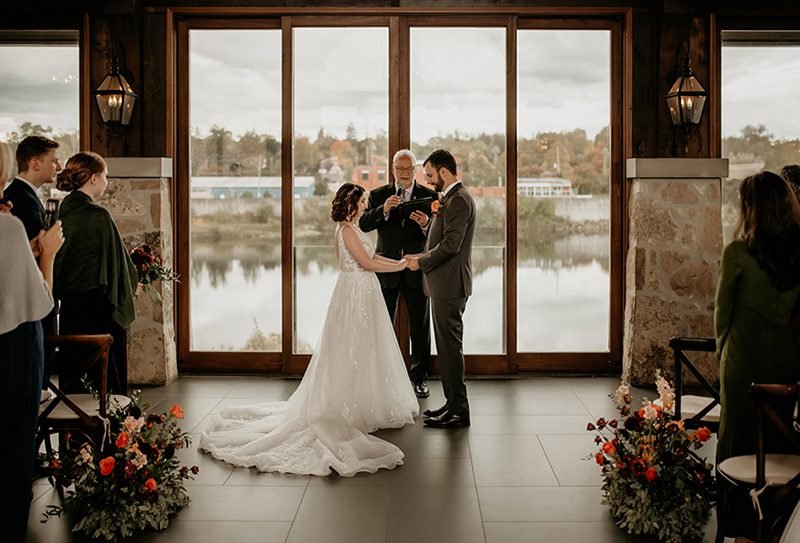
(95, 278)
(758, 288)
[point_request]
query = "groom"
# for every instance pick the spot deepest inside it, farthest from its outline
(447, 279)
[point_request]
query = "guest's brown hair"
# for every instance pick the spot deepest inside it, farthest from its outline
(78, 170)
(770, 226)
(33, 147)
(345, 202)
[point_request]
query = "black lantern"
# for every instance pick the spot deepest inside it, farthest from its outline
(687, 97)
(115, 97)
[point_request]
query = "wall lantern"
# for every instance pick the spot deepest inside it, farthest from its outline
(115, 97)
(687, 97)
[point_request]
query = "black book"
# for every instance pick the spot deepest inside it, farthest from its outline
(420, 204)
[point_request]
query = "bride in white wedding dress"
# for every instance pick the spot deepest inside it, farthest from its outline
(355, 383)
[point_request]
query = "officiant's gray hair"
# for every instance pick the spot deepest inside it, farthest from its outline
(404, 152)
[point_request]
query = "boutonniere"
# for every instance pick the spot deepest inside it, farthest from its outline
(435, 205)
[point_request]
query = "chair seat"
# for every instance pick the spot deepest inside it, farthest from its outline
(692, 405)
(779, 468)
(791, 534)
(46, 396)
(86, 402)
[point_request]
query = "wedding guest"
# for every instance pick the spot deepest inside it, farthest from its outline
(758, 289)
(95, 278)
(25, 297)
(399, 235)
(791, 173)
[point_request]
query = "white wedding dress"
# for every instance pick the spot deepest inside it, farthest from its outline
(355, 384)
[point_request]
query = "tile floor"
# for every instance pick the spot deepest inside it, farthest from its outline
(518, 474)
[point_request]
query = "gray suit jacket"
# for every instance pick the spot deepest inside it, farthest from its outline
(447, 262)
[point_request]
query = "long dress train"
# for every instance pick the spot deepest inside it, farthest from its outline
(355, 384)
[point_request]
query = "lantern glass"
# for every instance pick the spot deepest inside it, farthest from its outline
(686, 100)
(115, 99)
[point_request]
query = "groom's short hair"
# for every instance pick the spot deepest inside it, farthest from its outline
(404, 152)
(442, 159)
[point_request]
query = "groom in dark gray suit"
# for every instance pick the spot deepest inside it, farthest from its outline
(447, 279)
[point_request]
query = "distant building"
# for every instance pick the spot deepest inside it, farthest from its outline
(221, 188)
(545, 187)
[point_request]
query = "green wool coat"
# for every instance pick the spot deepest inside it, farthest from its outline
(755, 344)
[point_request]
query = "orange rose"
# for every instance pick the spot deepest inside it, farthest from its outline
(609, 448)
(150, 484)
(701, 434)
(122, 440)
(599, 458)
(176, 411)
(107, 465)
(650, 474)
(435, 205)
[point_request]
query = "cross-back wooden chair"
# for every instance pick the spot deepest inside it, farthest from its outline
(772, 478)
(695, 410)
(81, 413)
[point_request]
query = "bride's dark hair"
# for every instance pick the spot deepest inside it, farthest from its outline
(345, 202)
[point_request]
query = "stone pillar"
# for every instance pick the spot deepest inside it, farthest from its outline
(673, 261)
(138, 197)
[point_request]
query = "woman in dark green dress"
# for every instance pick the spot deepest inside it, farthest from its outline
(758, 288)
(95, 278)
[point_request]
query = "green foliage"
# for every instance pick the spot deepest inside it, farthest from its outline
(132, 483)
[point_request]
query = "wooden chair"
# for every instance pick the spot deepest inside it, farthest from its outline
(771, 478)
(83, 414)
(696, 411)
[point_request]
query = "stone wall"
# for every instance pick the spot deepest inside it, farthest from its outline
(138, 197)
(673, 261)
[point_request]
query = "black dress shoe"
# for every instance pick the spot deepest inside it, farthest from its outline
(421, 390)
(435, 412)
(448, 420)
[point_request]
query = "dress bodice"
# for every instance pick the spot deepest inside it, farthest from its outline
(346, 261)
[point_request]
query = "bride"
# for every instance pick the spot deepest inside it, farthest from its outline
(355, 384)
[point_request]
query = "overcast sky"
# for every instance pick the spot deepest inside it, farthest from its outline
(457, 83)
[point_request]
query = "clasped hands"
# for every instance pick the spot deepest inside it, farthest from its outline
(412, 261)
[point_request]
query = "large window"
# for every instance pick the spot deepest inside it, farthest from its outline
(563, 190)
(39, 91)
(765, 70)
(235, 194)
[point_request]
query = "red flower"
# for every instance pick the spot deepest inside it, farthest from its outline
(609, 448)
(650, 474)
(150, 484)
(122, 440)
(599, 458)
(176, 411)
(701, 434)
(107, 465)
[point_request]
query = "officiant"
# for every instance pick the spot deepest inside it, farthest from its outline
(402, 226)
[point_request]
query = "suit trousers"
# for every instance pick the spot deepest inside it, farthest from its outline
(20, 387)
(448, 327)
(419, 320)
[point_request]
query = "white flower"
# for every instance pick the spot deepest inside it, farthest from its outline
(665, 393)
(86, 454)
(133, 425)
(622, 395)
(650, 411)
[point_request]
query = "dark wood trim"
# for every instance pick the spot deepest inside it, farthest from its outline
(566, 362)
(85, 96)
(510, 261)
(182, 191)
(233, 362)
(563, 23)
(715, 87)
(233, 24)
(620, 134)
(287, 192)
(445, 11)
(322, 21)
(460, 20)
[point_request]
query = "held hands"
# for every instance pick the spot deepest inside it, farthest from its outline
(420, 218)
(390, 203)
(413, 261)
(48, 242)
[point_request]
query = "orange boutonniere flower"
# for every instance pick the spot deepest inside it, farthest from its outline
(435, 206)
(176, 411)
(107, 465)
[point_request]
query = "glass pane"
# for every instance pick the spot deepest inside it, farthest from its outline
(759, 122)
(563, 185)
(235, 162)
(458, 86)
(42, 101)
(341, 118)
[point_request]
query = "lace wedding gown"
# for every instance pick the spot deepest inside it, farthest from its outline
(355, 384)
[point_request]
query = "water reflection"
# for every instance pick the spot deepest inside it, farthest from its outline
(563, 294)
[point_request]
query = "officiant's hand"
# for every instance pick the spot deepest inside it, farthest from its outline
(420, 218)
(390, 203)
(413, 262)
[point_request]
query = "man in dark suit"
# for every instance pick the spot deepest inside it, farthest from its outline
(399, 235)
(37, 162)
(447, 267)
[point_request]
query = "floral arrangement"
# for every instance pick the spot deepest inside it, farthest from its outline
(133, 482)
(150, 268)
(653, 481)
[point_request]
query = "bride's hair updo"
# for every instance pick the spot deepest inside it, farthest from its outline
(78, 170)
(345, 203)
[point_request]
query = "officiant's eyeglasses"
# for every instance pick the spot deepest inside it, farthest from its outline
(399, 169)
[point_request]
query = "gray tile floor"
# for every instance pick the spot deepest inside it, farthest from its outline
(518, 474)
